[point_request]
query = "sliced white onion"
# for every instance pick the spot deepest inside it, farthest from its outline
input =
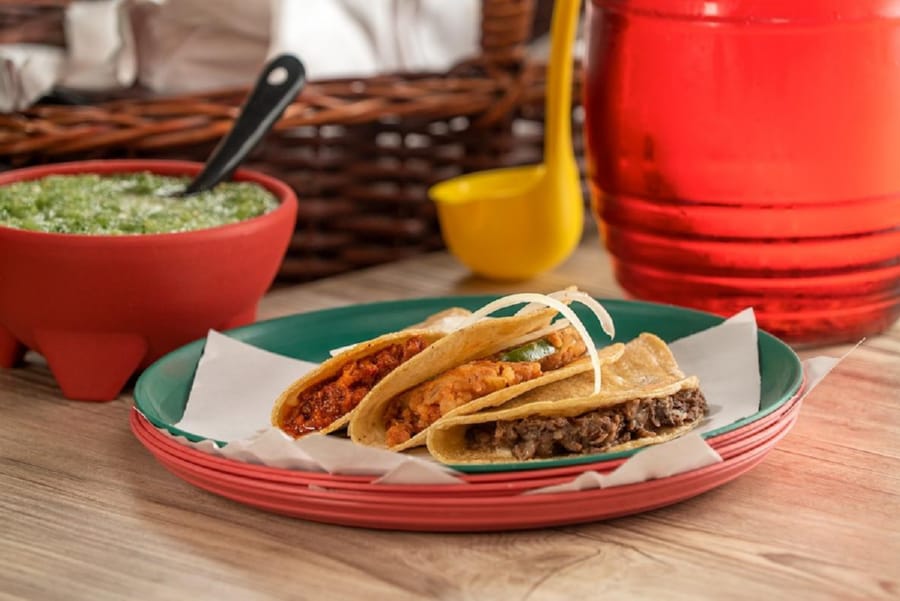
(494, 305)
(603, 316)
(532, 307)
(553, 303)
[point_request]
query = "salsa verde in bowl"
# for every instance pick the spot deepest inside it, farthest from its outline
(101, 306)
(127, 203)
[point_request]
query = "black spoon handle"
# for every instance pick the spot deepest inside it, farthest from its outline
(263, 108)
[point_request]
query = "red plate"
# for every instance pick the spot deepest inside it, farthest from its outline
(476, 506)
(454, 512)
(727, 445)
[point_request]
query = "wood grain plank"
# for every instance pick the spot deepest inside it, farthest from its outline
(87, 513)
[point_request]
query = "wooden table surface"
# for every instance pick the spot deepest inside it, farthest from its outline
(87, 513)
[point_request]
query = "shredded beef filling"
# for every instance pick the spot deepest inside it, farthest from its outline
(594, 432)
(318, 406)
(419, 407)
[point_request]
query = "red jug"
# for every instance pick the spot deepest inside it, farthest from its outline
(747, 153)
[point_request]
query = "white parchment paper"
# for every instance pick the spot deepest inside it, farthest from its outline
(234, 389)
(235, 386)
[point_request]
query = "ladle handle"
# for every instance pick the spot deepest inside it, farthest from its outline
(276, 88)
(558, 107)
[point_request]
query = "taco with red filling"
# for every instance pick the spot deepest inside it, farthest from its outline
(323, 399)
(482, 365)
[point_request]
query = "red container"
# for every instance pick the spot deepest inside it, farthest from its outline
(101, 307)
(747, 153)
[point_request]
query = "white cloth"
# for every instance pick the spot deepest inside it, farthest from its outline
(182, 46)
(361, 38)
(100, 45)
(27, 72)
(99, 55)
(198, 45)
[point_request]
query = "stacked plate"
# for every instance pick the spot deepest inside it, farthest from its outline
(498, 497)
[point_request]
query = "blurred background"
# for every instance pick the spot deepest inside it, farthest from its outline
(404, 93)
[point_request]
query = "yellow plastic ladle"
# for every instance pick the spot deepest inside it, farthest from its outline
(515, 223)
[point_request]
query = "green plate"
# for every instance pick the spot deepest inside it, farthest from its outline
(162, 390)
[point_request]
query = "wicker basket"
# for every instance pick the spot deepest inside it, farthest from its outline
(360, 153)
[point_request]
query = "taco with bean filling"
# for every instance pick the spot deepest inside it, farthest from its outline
(482, 365)
(323, 399)
(645, 400)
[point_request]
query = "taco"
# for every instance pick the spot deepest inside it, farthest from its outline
(482, 365)
(323, 399)
(645, 400)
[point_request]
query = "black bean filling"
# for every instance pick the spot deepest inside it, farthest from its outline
(594, 432)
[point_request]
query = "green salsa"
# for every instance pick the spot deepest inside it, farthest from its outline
(134, 203)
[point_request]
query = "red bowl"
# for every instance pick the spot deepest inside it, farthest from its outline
(100, 308)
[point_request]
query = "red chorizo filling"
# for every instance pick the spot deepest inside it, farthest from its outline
(318, 406)
(419, 407)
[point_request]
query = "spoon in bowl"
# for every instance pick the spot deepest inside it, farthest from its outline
(278, 84)
(514, 223)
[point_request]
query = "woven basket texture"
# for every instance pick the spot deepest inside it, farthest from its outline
(360, 153)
